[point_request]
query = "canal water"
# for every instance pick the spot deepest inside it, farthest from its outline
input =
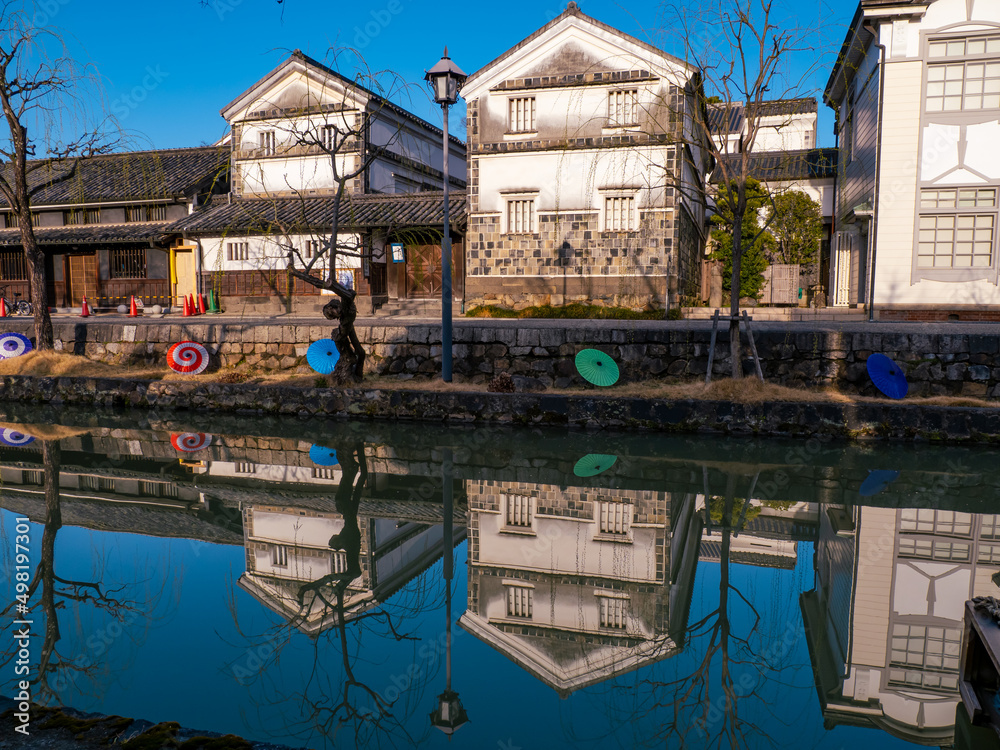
(327, 584)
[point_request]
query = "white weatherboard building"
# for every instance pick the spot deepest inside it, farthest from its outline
(917, 94)
(287, 133)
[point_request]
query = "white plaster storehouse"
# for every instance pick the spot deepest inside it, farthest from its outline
(577, 585)
(283, 180)
(917, 94)
(571, 135)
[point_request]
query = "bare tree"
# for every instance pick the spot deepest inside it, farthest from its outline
(348, 122)
(52, 106)
(51, 593)
(745, 53)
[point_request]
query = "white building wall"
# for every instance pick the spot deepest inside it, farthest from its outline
(265, 253)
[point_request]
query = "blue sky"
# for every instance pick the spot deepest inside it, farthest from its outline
(168, 68)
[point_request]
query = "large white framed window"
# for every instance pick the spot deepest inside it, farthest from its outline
(521, 114)
(957, 228)
(619, 213)
(520, 215)
(967, 77)
(927, 521)
(623, 108)
(329, 136)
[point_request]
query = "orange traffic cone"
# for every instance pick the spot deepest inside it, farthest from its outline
(193, 306)
(201, 304)
(3, 308)
(187, 310)
(133, 312)
(85, 309)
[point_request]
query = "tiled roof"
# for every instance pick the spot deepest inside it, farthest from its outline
(135, 175)
(775, 166)
(89, 233)
(730, 119)
(356, 212)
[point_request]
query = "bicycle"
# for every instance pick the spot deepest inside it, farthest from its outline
(16, 306)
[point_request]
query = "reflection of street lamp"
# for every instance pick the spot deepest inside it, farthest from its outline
(445, 79)
(449, 714)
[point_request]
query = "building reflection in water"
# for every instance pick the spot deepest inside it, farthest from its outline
(577, 585)
(884, 620)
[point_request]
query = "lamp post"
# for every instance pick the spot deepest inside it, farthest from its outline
(445, 79)
(449, 715)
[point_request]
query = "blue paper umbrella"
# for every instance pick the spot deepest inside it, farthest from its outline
(593, 464)
(322, 356)
(877, 481)
(14, 345)
(323, 456)
(15, 438)
(887, 376)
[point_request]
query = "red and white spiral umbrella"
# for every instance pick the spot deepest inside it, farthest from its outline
(188, 357)
(189, 442)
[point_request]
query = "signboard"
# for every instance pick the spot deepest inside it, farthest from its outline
(398, 252)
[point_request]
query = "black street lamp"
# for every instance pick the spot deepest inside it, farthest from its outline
(449, 715)
(445, 80)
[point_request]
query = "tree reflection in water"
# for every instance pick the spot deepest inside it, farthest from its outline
(121, 611)
(333, 698)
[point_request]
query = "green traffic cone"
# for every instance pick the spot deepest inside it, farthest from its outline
(213, 307)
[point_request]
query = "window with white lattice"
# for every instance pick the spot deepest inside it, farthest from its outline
(267, 143)
(339, 562)
(518, 510)
(279, 556)
(520, 215)
(519, 601)
(623, 108)
(619, 213)
(931, 654)
(237, 251)
(521, 114)
(614, 610)
(934, 549)
(614, 520)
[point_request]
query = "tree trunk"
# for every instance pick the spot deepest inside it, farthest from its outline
(735, 346)
(39, 291)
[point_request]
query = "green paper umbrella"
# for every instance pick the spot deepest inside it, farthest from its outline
(596, 367)
(593, 464)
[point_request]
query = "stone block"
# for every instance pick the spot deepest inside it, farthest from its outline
(957, 371)
(979, 372)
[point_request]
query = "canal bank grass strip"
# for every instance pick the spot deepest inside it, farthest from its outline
(49, 364)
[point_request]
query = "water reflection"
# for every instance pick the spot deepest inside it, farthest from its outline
(665, 588)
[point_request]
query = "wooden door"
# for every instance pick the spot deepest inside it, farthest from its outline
(184, 270)
(82, 279)
(423, 271)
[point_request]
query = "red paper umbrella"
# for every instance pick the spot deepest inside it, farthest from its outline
(189, 442)
(188, 357)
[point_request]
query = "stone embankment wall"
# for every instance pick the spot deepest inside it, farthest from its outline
(540, 355)
(865, 420)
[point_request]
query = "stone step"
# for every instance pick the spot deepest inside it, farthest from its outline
(413, 308)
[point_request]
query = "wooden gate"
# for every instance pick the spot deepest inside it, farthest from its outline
(423, 271)
(82, 279)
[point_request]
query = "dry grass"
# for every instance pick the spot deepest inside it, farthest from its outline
(45, 431)
(49, 364)
(748, 390)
